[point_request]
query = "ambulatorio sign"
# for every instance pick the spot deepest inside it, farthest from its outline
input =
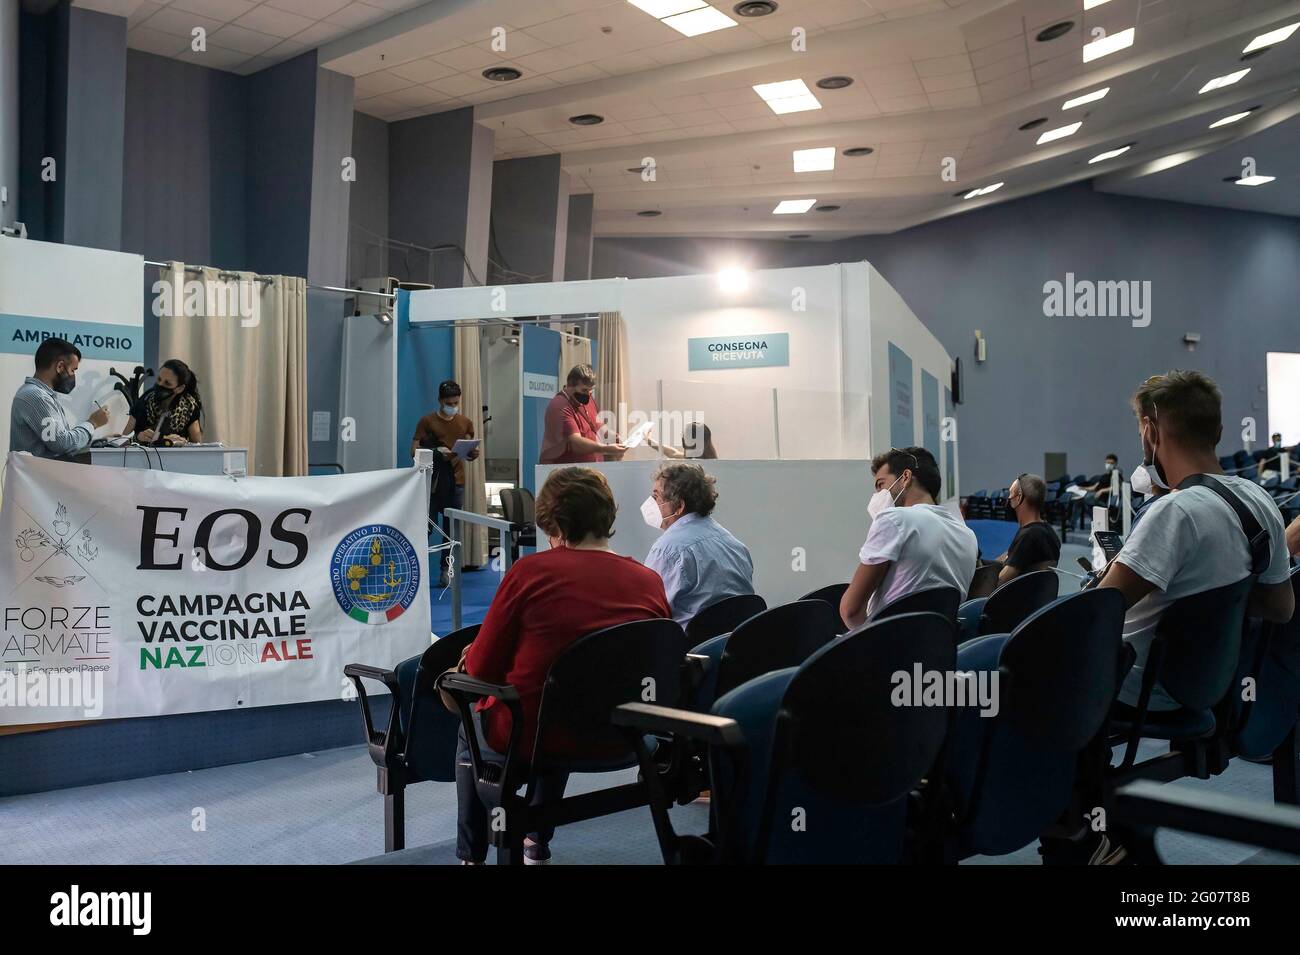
(761, 350)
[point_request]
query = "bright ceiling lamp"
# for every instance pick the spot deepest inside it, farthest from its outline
(733, 280)
(790, 207)
(1265, 40)
(698, 22)
(1219, 82)
(821, 159)
(984, 190)
(667, 8)
(1255, 180)
(1229, 120)
(1108, 45)
(1059, 133)
(788, 96)
(1111, 154)
(1089, 4)
(1086, 98)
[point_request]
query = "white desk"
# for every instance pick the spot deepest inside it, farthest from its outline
(214, 460)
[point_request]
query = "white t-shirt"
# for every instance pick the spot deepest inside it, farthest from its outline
(927, 546)
(1187, 542)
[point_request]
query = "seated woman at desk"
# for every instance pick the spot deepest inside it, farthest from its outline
(168, 413)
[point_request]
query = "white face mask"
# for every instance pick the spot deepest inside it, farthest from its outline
(651, 514)
(881, 500)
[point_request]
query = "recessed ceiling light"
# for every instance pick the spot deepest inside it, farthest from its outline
(1272, 38)
(1219, 82)
(788, 96)
(982, 191)
(1086, 98)
(733, 280)
(1254, 180)
(1229, 120)
(827, 208)
(698, 22)
(1059, 133)
(1109, 44)
(814, 160)
(1111, 154)
(790, 207)
(1033, 123)
(636, 169)
(586, 119)
(1054, 31)
(834, 82)
(1089, 4)
(754, 8)
(858, 151)
(667, 8)
(801, 235)
(501, 74)
(649, 213)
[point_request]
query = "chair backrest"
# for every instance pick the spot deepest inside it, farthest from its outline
(512, 505)
(429, 727)
(1276, 668)
(941, 600)
(831, 594)
(1201, 637)
(847, 734)
(1015, 600)
(984, 582)
(530, 505)
(779, 637)
(1062, 662)
(723, 617)
(604, 670)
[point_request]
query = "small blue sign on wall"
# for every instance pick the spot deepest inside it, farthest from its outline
(763, 350)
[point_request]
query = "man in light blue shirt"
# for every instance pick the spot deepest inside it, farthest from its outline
(700, 561)
(37, 421)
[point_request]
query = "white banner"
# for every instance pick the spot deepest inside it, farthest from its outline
(137, 593)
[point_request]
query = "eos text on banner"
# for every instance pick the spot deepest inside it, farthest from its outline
(763, 350)
(180, 593)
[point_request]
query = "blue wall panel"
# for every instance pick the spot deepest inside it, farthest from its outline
(425, 358)
(541, 356)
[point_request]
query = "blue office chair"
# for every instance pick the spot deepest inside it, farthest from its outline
(823, 744)
(831, 594)
(1004, 609)
(941, 600)
(723, 617)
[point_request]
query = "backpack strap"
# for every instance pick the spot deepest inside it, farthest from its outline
(1257, 540)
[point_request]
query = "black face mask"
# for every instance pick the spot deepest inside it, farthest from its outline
(582, 399)
(64, 384)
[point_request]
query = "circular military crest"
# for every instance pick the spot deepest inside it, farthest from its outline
(375, 573)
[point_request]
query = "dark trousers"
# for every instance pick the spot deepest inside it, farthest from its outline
(472, 815)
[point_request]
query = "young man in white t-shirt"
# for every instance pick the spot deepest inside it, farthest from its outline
(913, 543)
(1190, 541)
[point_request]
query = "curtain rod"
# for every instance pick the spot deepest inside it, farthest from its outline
(266, 278)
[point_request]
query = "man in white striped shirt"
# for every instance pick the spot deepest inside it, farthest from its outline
(37, 421)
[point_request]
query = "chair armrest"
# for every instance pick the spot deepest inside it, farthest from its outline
(383, 746)
(1153, 805)
(647, 718)
(363, 671)
(471, 688)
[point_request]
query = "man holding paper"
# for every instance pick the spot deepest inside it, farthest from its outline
(450, 435)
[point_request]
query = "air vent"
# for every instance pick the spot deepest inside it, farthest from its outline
(858, 151)
(649, 213)
(586, 119)
(501, 74)
(1033, 123)
(754, 8)
(834, 82)
(1054, 31)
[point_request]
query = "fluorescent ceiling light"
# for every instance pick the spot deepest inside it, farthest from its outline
(1219, 82)
(696, 22)
(733, 280)
(1229, 120)
(1102, 157)
(1255, 180)
(1271, 39)
(814, 160)
(789, 96)
(1089, 4)
(1108, 44)
(666, 8)
(789, 207)
(1086, 98)
(1059, 133)
(985, 190)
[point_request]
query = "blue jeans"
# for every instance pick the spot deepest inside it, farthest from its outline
(472, 815)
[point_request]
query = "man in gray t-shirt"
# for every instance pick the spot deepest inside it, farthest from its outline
(1189, 541)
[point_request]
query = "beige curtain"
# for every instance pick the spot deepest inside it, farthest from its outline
(246, 342)
(611, 369)
(573, 351)
(470, 376)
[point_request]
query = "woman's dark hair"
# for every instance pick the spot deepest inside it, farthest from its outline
(184, 377)
(575, 503)
(698, 441)
(448, 389)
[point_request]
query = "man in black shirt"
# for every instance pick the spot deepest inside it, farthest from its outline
(1035, 546)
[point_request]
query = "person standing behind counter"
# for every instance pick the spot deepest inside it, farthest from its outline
(571, 434)
(169, 412)
(38, 422)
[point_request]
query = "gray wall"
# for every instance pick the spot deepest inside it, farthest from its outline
(577, 253)
(368, 199)
(530, 203)
(9, 109)
(1060, 384)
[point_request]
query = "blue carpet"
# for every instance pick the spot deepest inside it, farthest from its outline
(477, 588)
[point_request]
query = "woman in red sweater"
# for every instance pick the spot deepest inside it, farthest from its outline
(547, 601)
